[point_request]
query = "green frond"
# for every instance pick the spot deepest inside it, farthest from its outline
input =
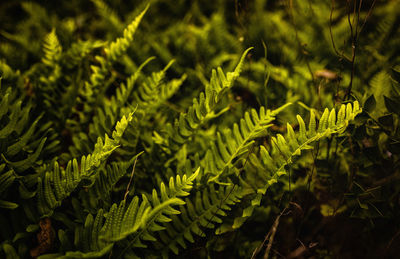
(231, 145)
(161, 206)
(104, 182)
(202, 110)
(52, 49)
(113, 52)
(120, 45)
(138, 220)
(6, 180)
(125, 90)
(15, 148)
(78, 51)
(284, 149)
(14, 115)
(155, 91)
(108, 15)
(58, 184)
(265, 169)
(202, 211)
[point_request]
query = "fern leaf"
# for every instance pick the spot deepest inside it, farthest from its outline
(234, 144)
(202, 109)
(120, 45)
(78, 51)
(52, 49)
(272, 164)
(65, 181)
(108, 15)
(202, 211)
(24, 164)
(134, 220)
(17, 146)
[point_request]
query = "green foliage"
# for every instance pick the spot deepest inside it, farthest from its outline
(104, 102)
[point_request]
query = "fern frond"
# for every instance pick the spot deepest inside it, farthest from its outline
(134, 223)
(155, 91)
(104, 181)
(6, 179)
(235, 143)
(78, 51)
(284, 149)
(113, 52)
(202, 109)
(124, 92)
(52, 49)
(14, 120)
(178, 187)
(120, 45)
(202, 211)
(65, 181)
(107, 115)
(99, 72)
(268, 166)
(108, 15)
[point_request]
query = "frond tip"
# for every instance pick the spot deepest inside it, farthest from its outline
(52, 49)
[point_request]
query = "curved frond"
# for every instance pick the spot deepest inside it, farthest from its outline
(202, 211)
(134, 222)
(232, 144)
(265, 168)
(202, 110)
(58, 184)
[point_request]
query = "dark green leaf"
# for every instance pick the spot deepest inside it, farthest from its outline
(370, 104)
(386, 120)
(392, 105)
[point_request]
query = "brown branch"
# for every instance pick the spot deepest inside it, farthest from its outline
(269, 237)
(368, 15)
(130, 180)
(342, 55)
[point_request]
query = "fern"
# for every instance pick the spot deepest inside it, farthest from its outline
(113, 52)
(104, 182)
(52, 49)
(65, 181)
(71, 181)
(155, 92)
(134, 222)
(202, 110)
(14, 119)
(238, 142)
(6, 179)
(201, 212)
(270, 165)
(91, 90)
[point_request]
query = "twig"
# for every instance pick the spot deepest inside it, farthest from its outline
(289, 3)
(269, 237)
(130, 180)
(391, 241)
(331, 34)
(368, 14)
